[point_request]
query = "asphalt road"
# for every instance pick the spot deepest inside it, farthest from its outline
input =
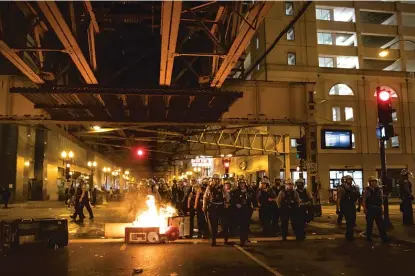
(325, 256)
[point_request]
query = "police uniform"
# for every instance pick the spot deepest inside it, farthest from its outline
(214, 204)
(406, 196)
(275, 214)
(201, 218)
(305, 211)
(288, 201)
(347, 197)
(243, 202)
(265, 199)
(191, 208)
(372, 203)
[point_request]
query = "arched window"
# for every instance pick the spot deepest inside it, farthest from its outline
(390, 90)
(341, 90)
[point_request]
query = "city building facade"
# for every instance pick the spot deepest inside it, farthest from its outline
(337, 45)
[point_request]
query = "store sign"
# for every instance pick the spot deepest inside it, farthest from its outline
(202, 162)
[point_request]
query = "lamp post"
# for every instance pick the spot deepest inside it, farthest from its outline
(106, 171)
(67, 158)
(92, 165)
(115, 174)
(385, 51)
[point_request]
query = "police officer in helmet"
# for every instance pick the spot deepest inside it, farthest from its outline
(288, 201)
(265, 199)
(213, 206)
(405, 194)
(373, 208)
(243, 201)
(305, 211)
(201, 218)
(347, 196)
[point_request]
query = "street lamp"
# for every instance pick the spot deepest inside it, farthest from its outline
(115, 174)
(106, 171)
(385, 51)
(67, 158)
(92, 166)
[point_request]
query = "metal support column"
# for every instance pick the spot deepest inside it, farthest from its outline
(287, 165)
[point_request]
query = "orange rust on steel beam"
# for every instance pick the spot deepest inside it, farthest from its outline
(218, 17)
(63, 32)
(14, 58)
(244, 36)
(88, 7)
(170, 21)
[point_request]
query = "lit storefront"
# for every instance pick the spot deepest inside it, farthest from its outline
(202, 166)
(336, 176)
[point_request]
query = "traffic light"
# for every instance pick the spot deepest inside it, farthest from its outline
(385, 110)
(140, 152)
(301, 145)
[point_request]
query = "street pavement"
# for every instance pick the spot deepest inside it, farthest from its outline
(324, 252)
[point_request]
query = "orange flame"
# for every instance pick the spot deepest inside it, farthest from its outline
(153, 217)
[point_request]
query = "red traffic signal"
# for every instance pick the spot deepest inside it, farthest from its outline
(140, 152)
(384, 95)
(226, 164)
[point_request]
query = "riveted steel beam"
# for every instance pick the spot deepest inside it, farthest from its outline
(170, 21)
(241, 41)
(14, 58)
(63, 32)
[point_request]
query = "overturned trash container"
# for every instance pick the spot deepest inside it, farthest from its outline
(15, 234)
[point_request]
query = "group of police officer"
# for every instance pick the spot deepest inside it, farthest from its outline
(349, 202)
(232, 207)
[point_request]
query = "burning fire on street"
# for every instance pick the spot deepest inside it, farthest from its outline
(155, 217)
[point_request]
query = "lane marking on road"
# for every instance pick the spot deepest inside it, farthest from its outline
(123, 246)
(252, 257)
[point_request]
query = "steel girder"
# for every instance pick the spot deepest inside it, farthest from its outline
(170, 22)
(63, 32)
(243, 139)
(14, 58)
(248, 28)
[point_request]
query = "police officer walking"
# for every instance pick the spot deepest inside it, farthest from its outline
(227, 217)
(347, 196)
(265, 199)
(243, 200)
(213, 206)
(305, 212)
(405, 194)
(288, 201)
(201, 218)
(373, 208)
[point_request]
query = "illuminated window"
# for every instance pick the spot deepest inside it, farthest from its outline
(291, 58)
(325, 39)
(341, 90)
(290, 34)
(395, 142)
(326, 62)
(293, 142)
(323, 14)
(348, 114)
(394, 116)
(289, 8)
(336, 113)
(353, 141)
